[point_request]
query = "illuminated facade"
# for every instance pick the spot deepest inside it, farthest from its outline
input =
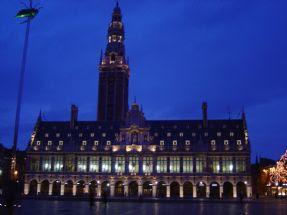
(123, 154)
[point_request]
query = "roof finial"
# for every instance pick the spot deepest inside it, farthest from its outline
(117, 3)
(40, 116)
(135, 100)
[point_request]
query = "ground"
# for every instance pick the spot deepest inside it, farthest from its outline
(47, 207)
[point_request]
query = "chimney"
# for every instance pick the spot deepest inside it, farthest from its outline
(204, 114)
(74, 116)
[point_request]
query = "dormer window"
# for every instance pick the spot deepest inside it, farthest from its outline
(61, 143)
(168, 134)
(69, 135)
(96, 143)
(46, 135)
(92, 134)
(80, 134)
(213, 142)
(231, 134)
(218, 134)
(187, 142)
(193, 134)
(174, 143)
(226, 142)
(206, 134)
(49, 143)
(58, 135)
(238, 142)
(103, 134)
(108, 143)
(156, 134)
(181, 134)
(84, 143)
(38, 142)
(161, 142)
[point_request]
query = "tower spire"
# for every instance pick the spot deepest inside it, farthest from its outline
(114, 73)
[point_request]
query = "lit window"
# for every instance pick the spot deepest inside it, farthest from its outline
(69, 135)
(174, 164)
(168, 134)
(80, 134)
(120, 164)
(38, 142)
(61, 143)
(231, 134)
(187, 142)
(200, 164)
(238, 142)
(205, 134)
(103, 134)
(240, 164)
(133, 164)
(161, 143)
(161, 164)
(181, 134)
(227, 165)
(46, 135)
(213, 142)
(187, 165)
(147, 165)
(219, 134)
(58, 135)
(49, 143)
(94, 164)
(156, 134)
(92, 134)
(84, 143)
(193, 134)
(215, 164)
(58, 163)
(96, 142)
(46, 163)
(226, 142)
(82, 164)
(106, 164)
(174, 142)
(108, 143)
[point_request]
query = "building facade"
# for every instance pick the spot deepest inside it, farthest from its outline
(123, 154)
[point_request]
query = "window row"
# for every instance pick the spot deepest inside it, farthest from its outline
(134, 164)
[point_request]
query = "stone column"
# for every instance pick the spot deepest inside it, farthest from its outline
(140, 190)
(62, 189)
(74, 189)
(234, 192)
(50, 188)
(112, 190)
(26, 188)
(126, 189)
(249, 191)
(194, 191)
(154, 190)
(86, 188)
(168, 191)
(181, 191)
(207, 191)
(38, 188)
(99, 189)
(221, 191)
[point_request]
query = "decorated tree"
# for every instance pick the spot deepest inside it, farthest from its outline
(278, 174)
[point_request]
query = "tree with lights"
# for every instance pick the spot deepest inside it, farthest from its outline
(278, 174)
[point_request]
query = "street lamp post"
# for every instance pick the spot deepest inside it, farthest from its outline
(28, 13)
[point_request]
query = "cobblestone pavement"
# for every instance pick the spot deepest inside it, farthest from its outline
(46, 207)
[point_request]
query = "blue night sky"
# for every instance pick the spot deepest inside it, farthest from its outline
(230, 53)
